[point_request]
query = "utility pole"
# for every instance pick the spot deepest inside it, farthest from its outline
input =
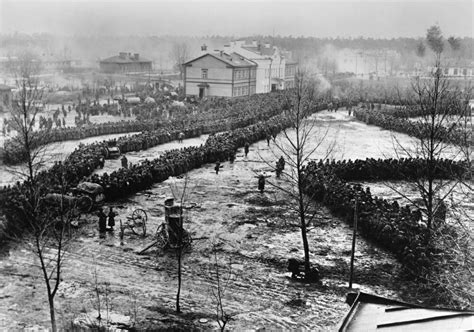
(354, 234)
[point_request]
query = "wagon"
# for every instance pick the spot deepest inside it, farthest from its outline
(81, 203)
(91, 194)
(111, 152)
(168, 237)
(136, 221)
(171, 234)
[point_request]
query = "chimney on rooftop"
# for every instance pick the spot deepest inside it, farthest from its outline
(137, 56)
(221, 53)
(203, 48)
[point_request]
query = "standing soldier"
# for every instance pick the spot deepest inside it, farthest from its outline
(261, 183)
(112, 216)
(102, 223)
(246, 148)
(217, 167)
(101, 162)
(180, 137)
(124, 162)
(280, 166)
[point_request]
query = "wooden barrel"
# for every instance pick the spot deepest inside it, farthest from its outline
(174, 224)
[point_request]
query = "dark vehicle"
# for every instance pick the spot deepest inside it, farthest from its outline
(82, 203)
(111, 151)
(90, 194)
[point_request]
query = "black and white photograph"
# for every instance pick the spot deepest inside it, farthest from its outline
(236, 165)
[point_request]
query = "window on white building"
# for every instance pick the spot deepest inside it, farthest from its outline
(203, 73)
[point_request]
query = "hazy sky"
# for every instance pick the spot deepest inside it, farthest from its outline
(354, 18)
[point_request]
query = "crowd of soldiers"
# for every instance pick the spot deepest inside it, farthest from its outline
(372, 169)
(218, 148)
(81, 163)
(399, 121)
(397, 228)
(233, 114)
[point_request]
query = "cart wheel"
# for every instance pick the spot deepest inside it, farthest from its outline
(139, 219)
(84, 203)
(162, 241)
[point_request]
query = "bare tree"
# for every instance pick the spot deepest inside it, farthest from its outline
(221, 276)
(25, 108)
(297, 145)
(45, 226)
(444, 130)
(179, 55)
(47, 233)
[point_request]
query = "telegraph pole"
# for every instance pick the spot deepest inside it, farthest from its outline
(353, 244)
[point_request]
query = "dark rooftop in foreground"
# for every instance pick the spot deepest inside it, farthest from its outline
(375, 313)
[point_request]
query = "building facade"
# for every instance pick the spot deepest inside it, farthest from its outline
(219, 75)
(459, 72)
(271, 64)
(125, 63)
(268, 66)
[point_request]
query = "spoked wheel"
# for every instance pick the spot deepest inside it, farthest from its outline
(138, 222)
(185, 242)
(162, 240)
(84, 203)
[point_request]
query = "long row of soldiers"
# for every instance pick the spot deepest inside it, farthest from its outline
(235, 114)
(220, 147)
(418, 129)
(397, 228)
(372, 169)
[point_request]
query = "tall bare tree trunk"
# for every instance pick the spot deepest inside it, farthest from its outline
(52, 313)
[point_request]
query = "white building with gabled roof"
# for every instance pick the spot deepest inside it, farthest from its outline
(219, 74)
(274, 70)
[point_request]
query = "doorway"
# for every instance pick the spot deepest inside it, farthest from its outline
(201, 92)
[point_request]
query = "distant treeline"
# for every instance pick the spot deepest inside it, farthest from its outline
(159, 48)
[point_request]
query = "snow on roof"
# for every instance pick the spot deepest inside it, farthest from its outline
(232, 59)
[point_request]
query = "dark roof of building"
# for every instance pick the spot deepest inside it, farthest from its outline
(127, 58)
(375, 313)
(232, 59)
